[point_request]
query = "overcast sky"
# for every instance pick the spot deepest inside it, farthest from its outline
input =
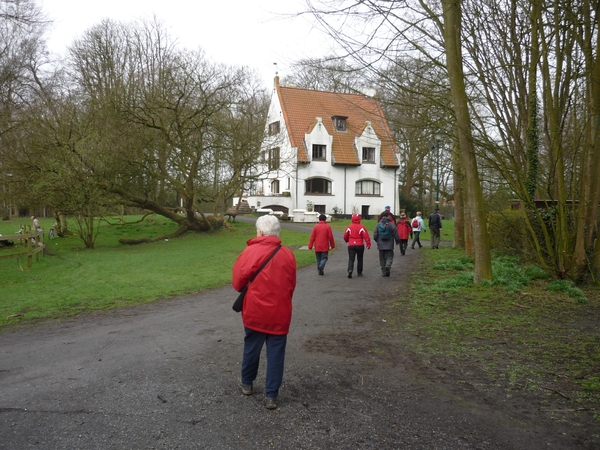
(255, 33)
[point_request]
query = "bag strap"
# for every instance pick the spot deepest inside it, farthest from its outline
(264, 264)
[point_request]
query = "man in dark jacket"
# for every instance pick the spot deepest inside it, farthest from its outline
(267, 308)
(387, 212)
(386, 235)
(322, 239)
(435, 227)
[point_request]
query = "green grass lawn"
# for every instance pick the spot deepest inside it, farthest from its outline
(70, 279)
(522, 332)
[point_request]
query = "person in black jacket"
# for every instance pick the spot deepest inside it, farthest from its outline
(435, 227)
(386, 235)
(387, 213)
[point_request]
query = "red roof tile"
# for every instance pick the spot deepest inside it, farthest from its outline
(301, 107)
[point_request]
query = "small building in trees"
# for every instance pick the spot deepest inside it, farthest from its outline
(325, 152)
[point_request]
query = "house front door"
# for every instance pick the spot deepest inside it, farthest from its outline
(365, 212)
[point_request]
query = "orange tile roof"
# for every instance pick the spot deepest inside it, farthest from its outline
(301, 107)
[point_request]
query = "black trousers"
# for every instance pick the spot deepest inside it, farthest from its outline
(356, 252)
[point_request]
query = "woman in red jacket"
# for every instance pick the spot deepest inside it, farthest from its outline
(356, 236)
(267, 308)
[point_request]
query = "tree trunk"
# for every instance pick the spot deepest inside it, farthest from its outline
(459, 201)
(452, 44)
(587, 233)
(533, 141)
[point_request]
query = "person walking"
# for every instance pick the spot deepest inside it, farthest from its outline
(322, 239)
(387, 212)
(404, 231)
(418, 225)
(267, 307)
(356, 235)
(435, 227)
(386, 235)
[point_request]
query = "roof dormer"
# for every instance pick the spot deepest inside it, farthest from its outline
(339, 122)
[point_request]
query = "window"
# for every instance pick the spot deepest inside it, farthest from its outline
(367, 187)
(274, 158)
(339, 122)
(274, 128)
(318, 186)
(318, 152)
(319, 208)
(368, 155)
(275, 187)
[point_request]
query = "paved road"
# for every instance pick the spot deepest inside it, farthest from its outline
(163, 376)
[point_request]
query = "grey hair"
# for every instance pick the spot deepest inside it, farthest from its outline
(268, 225)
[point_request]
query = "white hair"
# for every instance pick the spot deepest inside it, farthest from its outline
(268, 225)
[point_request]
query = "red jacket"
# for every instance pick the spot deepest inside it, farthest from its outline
(356, 234)
(321, 237)
(404, 228)
(268, 302)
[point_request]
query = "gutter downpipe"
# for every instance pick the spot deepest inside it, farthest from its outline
(297, 163)
(345, 191)
(396, 199)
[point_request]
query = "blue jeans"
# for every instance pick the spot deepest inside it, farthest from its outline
(321, 259)
(416, 240)
(253, 343)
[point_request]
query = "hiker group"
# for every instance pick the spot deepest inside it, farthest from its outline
(387, 234)
(267, 300)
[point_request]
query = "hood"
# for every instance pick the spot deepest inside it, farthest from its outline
(356, 218)
(385, 218)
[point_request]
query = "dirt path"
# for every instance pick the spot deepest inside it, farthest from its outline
(163, 376)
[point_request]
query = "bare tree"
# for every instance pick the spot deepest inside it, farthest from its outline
(174, 109)
(452, 26)
(22, 53)
(330, 74)
(532, 77)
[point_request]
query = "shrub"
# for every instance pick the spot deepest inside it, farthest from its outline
(508, 233)
(569, 288)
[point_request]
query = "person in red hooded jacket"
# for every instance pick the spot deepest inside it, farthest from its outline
(404, 231)
(321, 239)
(267, 308)
(356, 235)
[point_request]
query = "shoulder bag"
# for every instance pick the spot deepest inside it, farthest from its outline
(239, 302)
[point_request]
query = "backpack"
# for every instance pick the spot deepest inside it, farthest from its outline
(415, 223)
(384, 231)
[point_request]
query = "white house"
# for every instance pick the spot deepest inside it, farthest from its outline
(326, 151)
